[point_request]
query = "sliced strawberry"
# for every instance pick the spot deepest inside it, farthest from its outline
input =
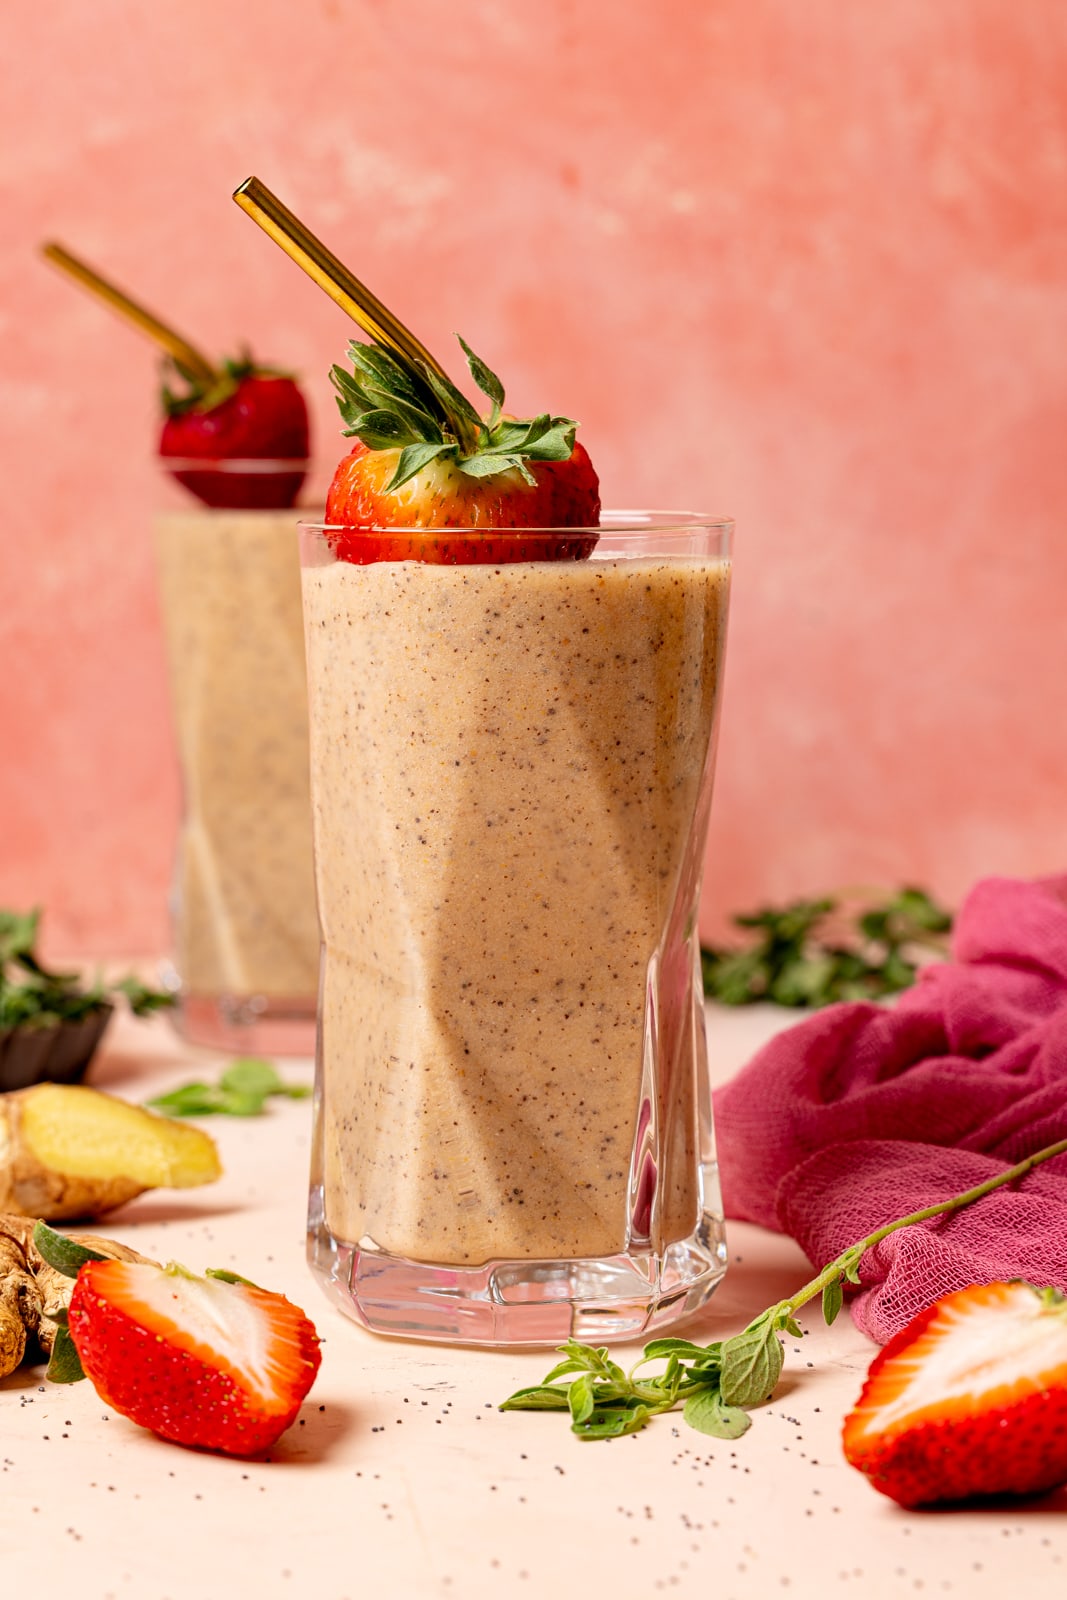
(201, 1361)
(250, 414)
(970, 1399)
(424, 459)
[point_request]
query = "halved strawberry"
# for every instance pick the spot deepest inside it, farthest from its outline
(213, 1362)
(249, 413)
(425, 459)
(970, 1399)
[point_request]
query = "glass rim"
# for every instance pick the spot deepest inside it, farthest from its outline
(621, 523)
(246, 466)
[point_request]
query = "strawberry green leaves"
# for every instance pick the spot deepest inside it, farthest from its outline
(391, 403)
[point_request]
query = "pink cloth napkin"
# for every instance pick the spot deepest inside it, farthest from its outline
(865, 1113)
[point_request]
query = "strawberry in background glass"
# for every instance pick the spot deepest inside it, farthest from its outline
(234, 434)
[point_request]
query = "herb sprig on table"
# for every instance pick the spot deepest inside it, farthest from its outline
(242, 1091)
(793, 960)
(33, 996)
(717, 1384)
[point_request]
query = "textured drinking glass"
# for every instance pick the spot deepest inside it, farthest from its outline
(245, 929)
(511, 778)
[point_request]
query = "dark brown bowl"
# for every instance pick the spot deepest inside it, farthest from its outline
(57, 1054)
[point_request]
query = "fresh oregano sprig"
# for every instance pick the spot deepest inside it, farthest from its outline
(242, 1091)
(34, 996)
(717, 1384)
(791, 960)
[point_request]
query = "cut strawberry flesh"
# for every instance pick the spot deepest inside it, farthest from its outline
(239, 1333)
(200, 1361)
(959, 1361)
(970, 1399)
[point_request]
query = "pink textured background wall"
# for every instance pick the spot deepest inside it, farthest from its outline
(802, 263)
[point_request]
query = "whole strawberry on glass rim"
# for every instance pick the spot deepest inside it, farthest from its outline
(424, 459)
(247, 423)
(236, 433)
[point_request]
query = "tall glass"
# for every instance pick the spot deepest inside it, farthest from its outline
(511, 778)
(245, 928)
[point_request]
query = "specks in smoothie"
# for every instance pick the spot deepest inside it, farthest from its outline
(551, 854)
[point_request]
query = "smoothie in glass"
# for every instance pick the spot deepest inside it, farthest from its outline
(246, 940)
(511, 777)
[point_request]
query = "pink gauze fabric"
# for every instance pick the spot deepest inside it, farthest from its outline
(865, 1113)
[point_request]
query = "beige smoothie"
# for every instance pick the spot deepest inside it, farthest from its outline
(246, 922)
(508, 766)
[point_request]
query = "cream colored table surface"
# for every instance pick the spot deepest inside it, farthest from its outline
(401, 1477)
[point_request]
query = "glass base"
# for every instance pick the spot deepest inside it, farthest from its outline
(247, 1024)
(509, 1303)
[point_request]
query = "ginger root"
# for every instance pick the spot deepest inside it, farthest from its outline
(69, 1151)
(31, 1292)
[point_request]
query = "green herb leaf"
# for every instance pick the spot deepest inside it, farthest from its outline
(540, 1397)
(142, 1000)
(581, 1397)
(611, 1422)
(792, 963)
(700, 1353)
(709, 1413)
(242, 1091)
(18, 935)
(251, 1075)
(64, 1364)
(833, 1298)
(31, 996)
(751, 1364)
(65, 1255)
(190, 1100)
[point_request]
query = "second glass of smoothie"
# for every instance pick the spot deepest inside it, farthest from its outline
(246, 939)
(511, 780)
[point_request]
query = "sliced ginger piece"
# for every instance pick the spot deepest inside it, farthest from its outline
(70, 1151)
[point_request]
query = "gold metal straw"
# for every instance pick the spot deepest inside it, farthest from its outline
(182, 351)
(330, 274)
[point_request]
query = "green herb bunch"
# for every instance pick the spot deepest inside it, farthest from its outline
(793, 960)
(31, 996)
(717, 1384)
(242, 1091)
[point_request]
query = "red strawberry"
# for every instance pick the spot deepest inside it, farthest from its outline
(205, 1361)
(424, 459)
(249, 414)
(969, 1399)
